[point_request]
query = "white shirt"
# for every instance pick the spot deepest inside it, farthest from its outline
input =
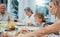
(29, 19)
(6, 17)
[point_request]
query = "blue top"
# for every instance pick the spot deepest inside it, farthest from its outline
(41, 26)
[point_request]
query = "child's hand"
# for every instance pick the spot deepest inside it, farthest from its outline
(30, 24)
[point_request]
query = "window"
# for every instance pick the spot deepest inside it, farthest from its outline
(42, 6)
(14, 8)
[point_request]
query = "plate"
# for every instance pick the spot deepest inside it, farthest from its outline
(19, 24)
(28, 28)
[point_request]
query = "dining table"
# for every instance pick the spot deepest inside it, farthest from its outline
(19, 26)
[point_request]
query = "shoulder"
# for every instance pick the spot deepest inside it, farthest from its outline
(7, 13)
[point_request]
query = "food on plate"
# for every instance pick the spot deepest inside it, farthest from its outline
(23, 31)
(11, 24)
(31, 25)
(12, 28)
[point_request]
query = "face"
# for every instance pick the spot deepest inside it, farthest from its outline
(37, 19)
(53, 8)
(28, 13)
(2, 9)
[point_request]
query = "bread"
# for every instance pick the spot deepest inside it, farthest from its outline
(11, 28)
(23, 31)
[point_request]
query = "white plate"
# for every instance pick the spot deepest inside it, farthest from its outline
(27, 28)
(32, 28)
(18, 23)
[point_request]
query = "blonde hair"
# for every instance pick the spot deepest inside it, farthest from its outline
(56, 3)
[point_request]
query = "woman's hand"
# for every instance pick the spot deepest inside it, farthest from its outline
(22, 35)
(4, 35)
(30, 34)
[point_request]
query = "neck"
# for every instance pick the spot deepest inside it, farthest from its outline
(30, 15)
(2, 14)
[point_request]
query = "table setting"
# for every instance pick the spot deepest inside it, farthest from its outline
(15, 29)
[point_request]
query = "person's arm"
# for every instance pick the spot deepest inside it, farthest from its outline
(44, 31)
(50, 29)
(56, 33)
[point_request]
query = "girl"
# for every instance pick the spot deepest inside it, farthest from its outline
(39, 21)
(39, 18)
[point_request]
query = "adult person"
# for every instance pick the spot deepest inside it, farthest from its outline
(29, 19)
(4, 16)
(54, 9)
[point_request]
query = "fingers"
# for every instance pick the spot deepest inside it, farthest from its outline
(4, 35)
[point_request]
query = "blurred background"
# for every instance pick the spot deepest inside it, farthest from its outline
(16, 7)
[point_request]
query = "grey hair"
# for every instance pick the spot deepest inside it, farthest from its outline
(3, 5)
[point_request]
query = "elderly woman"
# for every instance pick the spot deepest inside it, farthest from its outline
(29, 19)
(55, 10)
